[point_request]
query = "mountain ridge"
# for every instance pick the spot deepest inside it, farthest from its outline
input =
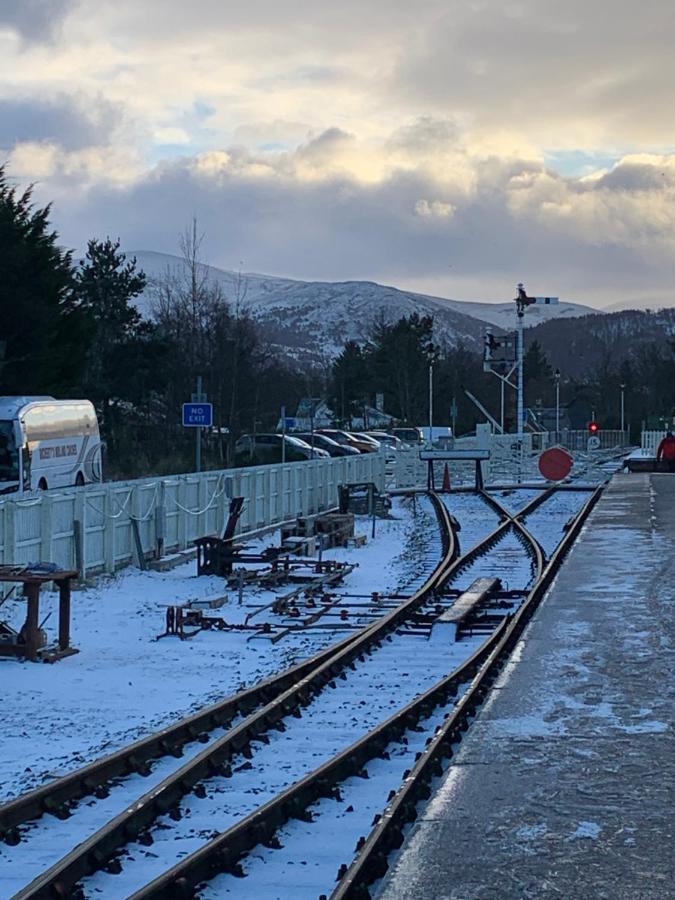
(310, 320)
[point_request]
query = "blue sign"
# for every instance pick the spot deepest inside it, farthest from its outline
(197, 415)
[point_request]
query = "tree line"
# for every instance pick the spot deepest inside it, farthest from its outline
(72, 328)
(395, 363)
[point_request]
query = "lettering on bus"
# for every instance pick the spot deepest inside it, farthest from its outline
(58, 451)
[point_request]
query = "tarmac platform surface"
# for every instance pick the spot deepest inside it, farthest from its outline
(564, 785)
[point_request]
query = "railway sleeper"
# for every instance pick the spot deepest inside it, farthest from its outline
(219, 767)
(92, 785)
(60, 810)
(10, 836)
(137, 766)
(225, 860)
(172, 748)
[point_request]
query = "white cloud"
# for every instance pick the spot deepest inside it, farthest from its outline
(382, 140)
(434, 209)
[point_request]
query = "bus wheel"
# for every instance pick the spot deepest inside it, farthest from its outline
(42, 484)
(79, 481)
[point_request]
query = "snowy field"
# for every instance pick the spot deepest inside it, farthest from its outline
(124, 684)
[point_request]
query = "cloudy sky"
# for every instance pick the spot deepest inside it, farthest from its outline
(451, 147)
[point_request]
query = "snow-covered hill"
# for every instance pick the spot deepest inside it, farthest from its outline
(311, 320)
(502, 314)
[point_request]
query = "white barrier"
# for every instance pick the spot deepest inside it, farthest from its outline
(92, 527)
(503, 465)
(650, 440)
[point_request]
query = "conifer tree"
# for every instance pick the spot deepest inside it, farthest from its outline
(42, 329)
(106, 285)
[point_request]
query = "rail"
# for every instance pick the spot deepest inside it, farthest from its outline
(387, 835)
(290, 690)
(223, 852)
(280, 696)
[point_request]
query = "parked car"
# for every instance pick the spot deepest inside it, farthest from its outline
(362, 436)
(262, 449)
(322, 441)
(410, 436)
(345, 439)
(388, 442)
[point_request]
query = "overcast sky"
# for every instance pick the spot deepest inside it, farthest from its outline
(451, 147)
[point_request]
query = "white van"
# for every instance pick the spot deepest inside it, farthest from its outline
(47, 443)
(441, 437)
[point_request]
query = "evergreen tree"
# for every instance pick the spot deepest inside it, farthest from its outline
(349, 383)
(122, 348)
(538, 376)
(43, 330)
(400, 359)
(536, 364)
(106, 285)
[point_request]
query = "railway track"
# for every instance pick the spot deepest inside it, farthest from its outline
(365, 664)
(58, 796)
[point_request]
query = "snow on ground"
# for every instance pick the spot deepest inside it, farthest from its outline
(305, 866)
(391, 677)
(563, 785)
(124, 683)
(547, 522)
(640, 453)
(475, 516)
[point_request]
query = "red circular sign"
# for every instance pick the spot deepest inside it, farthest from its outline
(555, 464)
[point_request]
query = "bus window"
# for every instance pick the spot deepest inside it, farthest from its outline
(9, 457)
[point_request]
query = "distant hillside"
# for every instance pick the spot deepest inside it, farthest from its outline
(310, 321)
(578, 346)
(502, 315)
(651, 304)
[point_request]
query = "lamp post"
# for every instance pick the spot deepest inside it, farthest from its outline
(623, 389)
(431, 355)
(556, 376)
(431, 400)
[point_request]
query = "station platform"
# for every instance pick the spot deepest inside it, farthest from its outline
(564, 785)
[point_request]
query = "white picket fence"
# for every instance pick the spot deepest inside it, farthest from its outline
(650, 441)
(92, 528)
(512, 458)
(505, 462)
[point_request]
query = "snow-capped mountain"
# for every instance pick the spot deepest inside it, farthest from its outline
(311, 320)
(502, 314)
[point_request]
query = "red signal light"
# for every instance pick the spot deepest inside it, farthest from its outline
(593, 427)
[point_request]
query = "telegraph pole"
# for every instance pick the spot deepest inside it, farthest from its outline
(431, 402)
(519, 350)
(522, 301)
(556, 375)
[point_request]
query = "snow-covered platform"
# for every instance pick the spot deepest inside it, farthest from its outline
(563, 786)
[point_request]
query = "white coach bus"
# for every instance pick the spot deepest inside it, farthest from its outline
(47, 443)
